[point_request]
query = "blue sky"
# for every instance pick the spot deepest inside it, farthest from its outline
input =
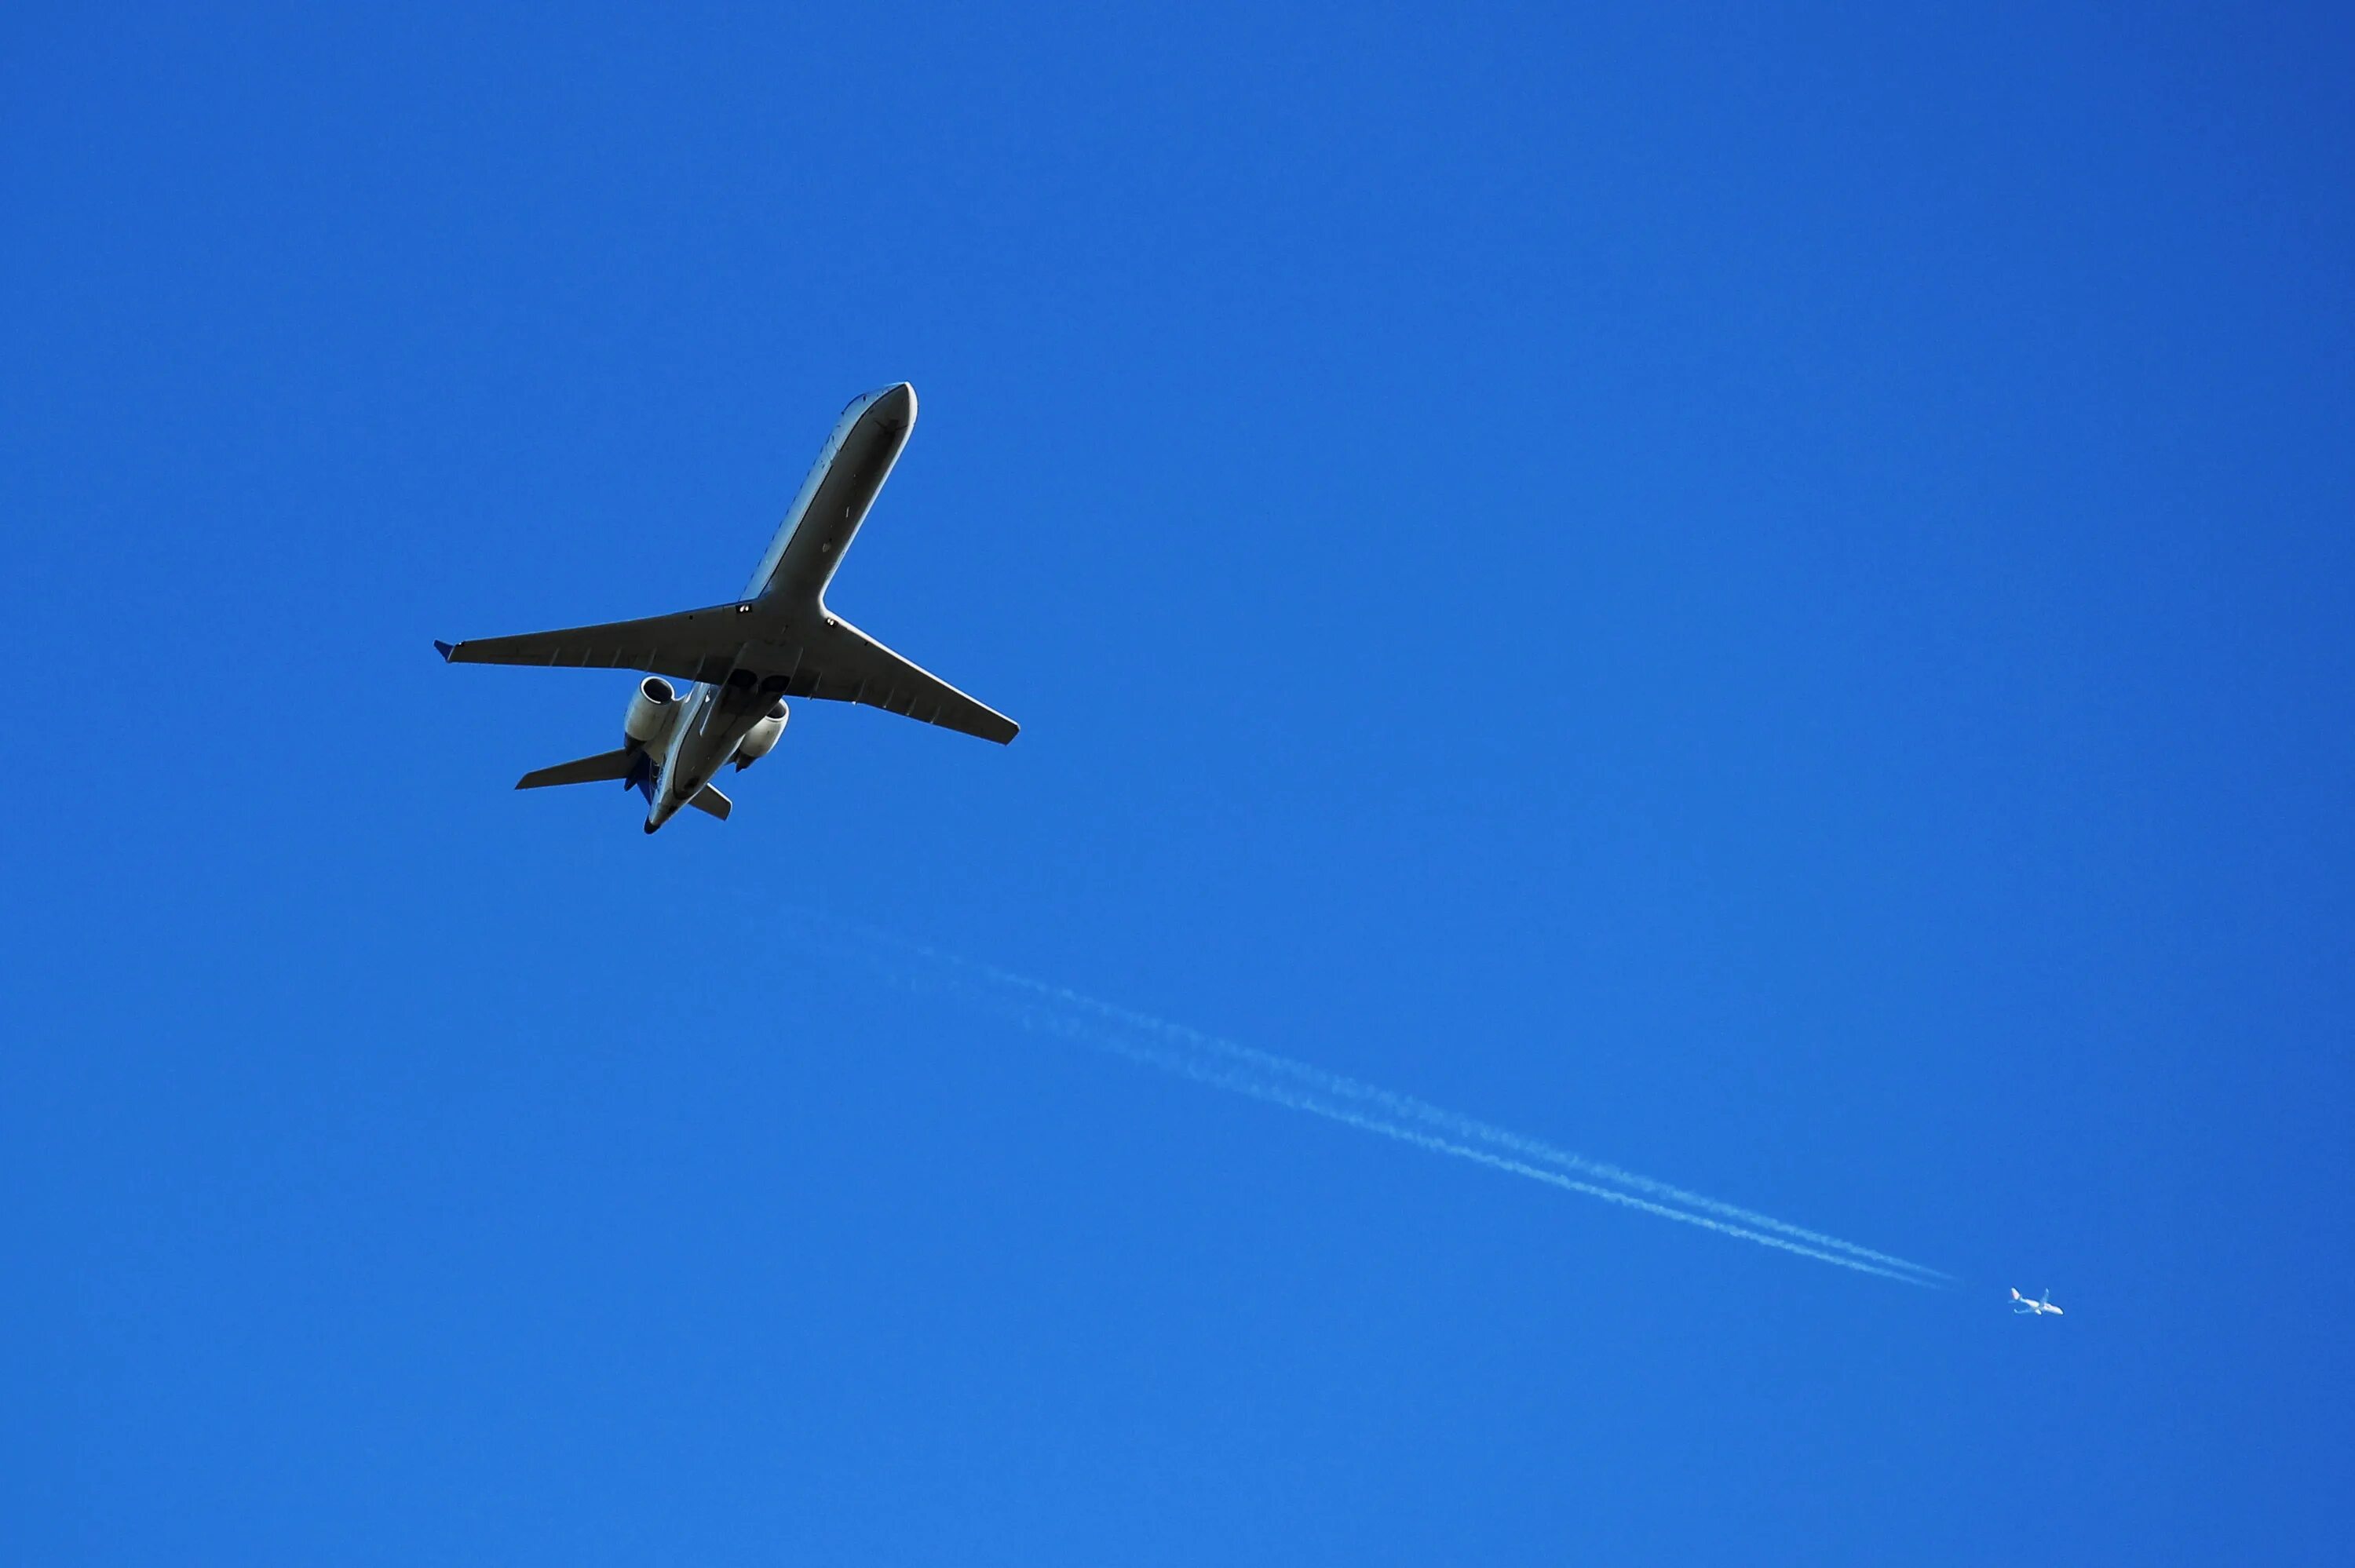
(1762, 598)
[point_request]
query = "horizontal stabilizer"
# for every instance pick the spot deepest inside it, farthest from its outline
(597, 769)
(710, 800)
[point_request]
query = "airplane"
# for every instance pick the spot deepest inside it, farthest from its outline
(746, 657)
(2029, 1304)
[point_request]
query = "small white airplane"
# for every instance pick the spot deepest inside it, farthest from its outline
(2030, 1304)
(745, 658)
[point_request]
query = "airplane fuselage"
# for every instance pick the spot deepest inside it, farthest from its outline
(711, 725)
(741, 660)
(715, 716)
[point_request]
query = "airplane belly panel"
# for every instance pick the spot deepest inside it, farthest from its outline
(709, 739)
(843, 485)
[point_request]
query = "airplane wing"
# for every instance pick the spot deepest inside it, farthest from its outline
(838, 663)
(817, 656)
(692, 645)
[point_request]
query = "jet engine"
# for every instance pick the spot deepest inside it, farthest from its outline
(650, 710)
(761, 738)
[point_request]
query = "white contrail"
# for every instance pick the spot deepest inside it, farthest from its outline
(1241, 1080)
(1452, 1124)
(1298, 1086)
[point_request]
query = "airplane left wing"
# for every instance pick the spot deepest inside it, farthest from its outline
(838, 663)
(692, 645)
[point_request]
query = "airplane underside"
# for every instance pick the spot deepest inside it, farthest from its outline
(743, 659)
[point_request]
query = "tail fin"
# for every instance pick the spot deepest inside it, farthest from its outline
(597, 769)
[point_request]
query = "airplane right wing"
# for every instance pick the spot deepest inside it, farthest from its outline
(692, 645)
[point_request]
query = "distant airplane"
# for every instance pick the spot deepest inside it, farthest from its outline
(2025, 1304)
(747, 657)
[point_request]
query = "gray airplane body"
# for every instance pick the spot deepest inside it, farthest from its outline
(746, 658)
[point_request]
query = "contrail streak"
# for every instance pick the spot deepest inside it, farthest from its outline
(1202, 1070)
(1451, 1124)
(1298, 1086)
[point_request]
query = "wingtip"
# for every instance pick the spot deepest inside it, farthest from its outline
(444, 649)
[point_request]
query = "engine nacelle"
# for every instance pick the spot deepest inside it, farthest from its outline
(652, 708)
(761, 738)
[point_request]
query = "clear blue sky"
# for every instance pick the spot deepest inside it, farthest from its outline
(1764, 597)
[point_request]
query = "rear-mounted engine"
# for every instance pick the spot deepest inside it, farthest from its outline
(652, 707)
(761, 738)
